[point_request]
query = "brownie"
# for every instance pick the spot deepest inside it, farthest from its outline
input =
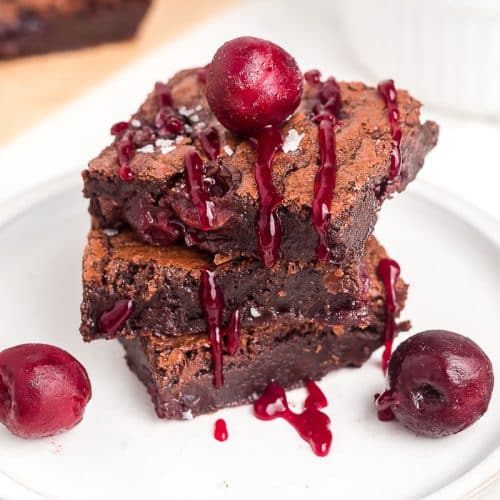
(157, 189)
(163, 284)
(38, 26)
(177, 371)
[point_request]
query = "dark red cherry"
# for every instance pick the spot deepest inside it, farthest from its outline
(440, 382)
(119, 127)
(253, 83)
(43, 390)
(189, 215)
(153, 225)
(166, 123)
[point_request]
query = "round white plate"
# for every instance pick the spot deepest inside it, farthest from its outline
(448, 252)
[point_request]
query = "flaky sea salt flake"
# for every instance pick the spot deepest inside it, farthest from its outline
(148, 148)
(255, 313)
(187, 415)
(292, 141)
(185, 111)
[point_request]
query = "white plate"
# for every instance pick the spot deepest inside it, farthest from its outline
(121, 450)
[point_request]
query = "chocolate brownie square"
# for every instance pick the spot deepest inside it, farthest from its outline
(177, 371)
(151, 193)
(157, 289)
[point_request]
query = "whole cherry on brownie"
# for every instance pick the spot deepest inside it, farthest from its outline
(253, 83)
(43, 390)
(440, 382)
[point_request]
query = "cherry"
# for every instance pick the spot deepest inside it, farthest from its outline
(119, 127)
(253, 83)
(166, 122)
(43, 390)
(114, 318)
(440, 382)
(153, 225)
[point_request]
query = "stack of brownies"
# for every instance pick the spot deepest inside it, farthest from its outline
(210, 309)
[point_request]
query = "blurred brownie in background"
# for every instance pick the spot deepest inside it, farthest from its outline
(39, 26)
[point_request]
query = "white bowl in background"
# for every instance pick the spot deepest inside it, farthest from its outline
(447, 52)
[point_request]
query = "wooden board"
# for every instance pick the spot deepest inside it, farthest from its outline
(30, 88)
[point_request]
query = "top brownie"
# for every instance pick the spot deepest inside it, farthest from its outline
(155, 196)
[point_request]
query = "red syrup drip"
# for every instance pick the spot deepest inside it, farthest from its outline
(326, 106)
(113, 319)
(195, 174)
(126, 152)
(210, 142)
(267, 224)
(166, 120)
(388, 271)
(324, 184)
(232, 333)
(163, 96)
(312, 424)
(212, 303)
(388, 93)
(383, 403)
(220, 430)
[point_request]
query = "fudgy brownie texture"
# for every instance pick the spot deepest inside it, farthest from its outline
(177, 371)
(38, 26)
(363, 149)
(164, 283)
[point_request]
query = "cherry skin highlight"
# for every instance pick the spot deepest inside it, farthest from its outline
(440, 382)
(43, 390)
(253, 83)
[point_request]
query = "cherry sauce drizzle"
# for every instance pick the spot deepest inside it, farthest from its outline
(232, 333)
(119, 127)
(267, 224)
(388, 271)
(324, 184)
(312, 424)
(220, 430)
(210, 142)
(212, 303)
(326, 106)
(388, 93)
(126, 152)
(166, 120)
(113, 319)
(195, 174)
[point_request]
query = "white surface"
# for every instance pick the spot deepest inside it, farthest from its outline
(121, 450)
(40, 296)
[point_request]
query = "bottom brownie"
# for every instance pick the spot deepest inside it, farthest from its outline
(177, 370)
